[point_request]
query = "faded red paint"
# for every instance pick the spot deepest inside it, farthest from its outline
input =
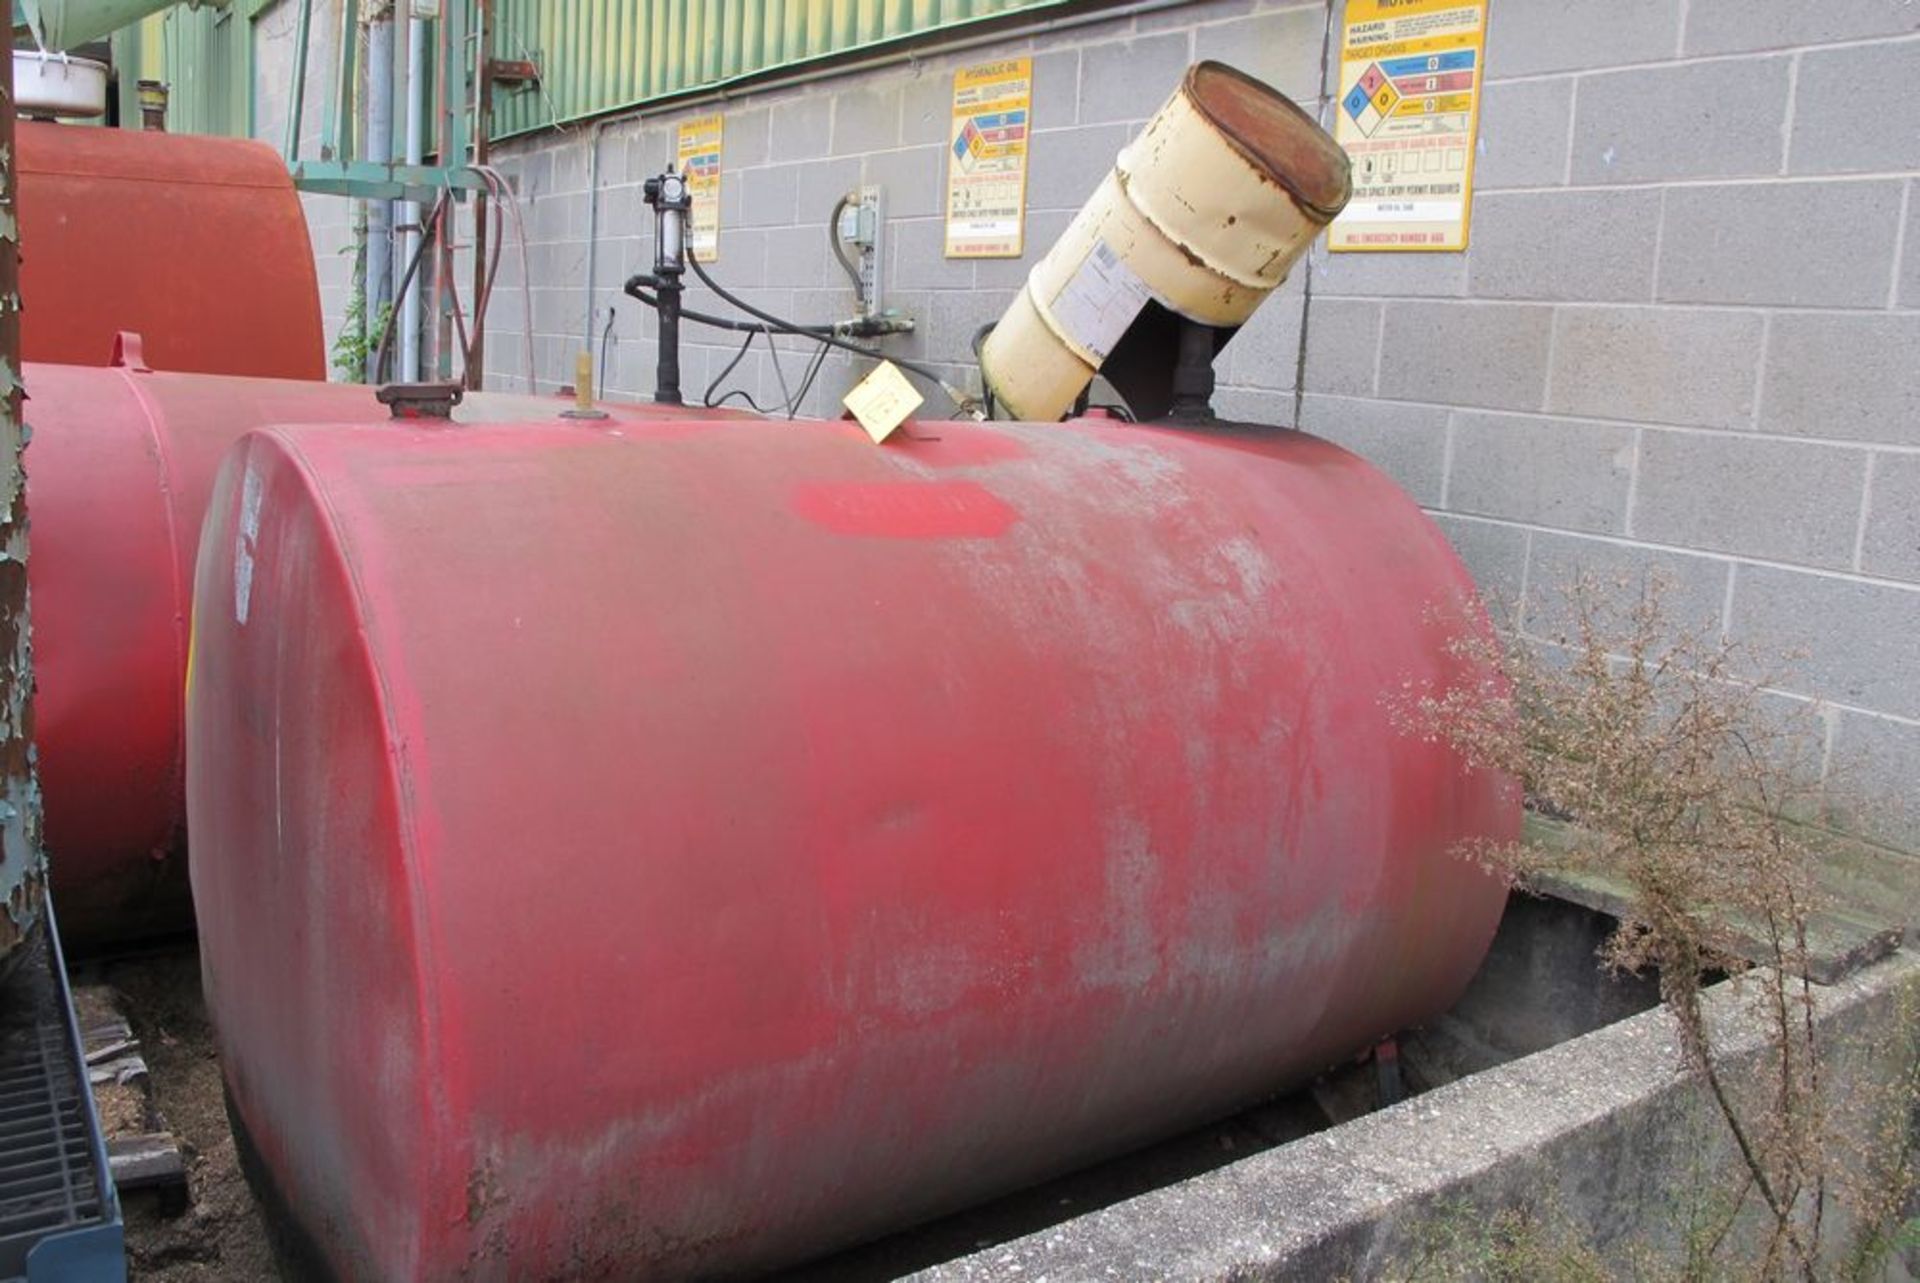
(197, 244)
(608, 869)
(119, 472)
(904, 509)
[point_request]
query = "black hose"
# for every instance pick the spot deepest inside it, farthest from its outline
(872, 354)
(635, 288)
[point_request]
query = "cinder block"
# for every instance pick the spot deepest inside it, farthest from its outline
(953, 316)
(1495, 555)
(1754, 496)
(820, 185)
(1830, 134)
(1066, 165)
(1892, 544)
(767, 195)
(1850, 640)
(1692, 589)
(1527, 38)
(914, 179)
(1407, 442)
(1044, 227)
(1130, 79)
(743, 138)
(919, 257)
(796, 258)
(570, 166)
(1056, 92)
(1525, 129)
(1656, 365)
(1910, 242)
(926, 110)
(1578, 246)
(1192, 12)
(645, 152)
(1852, 376)
(556, 311)
(1343, 344)
(1699, 120)
(1564, 473)
(801, 126)
(536, 176)
(743, 258)
(866, 117)
(1810, 244)
(1281, 48)
(1728, 26)
(1875, 763)
(1254, 405)
(1265, 354)
(1398, 275)
(1479, 354)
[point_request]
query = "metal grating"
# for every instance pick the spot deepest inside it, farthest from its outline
(59, 1216)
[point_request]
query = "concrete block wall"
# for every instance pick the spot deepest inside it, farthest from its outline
(329, 218)
(1686, 336)
(789, 154)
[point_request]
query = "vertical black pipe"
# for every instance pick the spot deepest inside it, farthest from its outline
(666, 379)
(1193, 375)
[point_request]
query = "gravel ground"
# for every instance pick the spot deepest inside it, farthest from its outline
(221, 1235)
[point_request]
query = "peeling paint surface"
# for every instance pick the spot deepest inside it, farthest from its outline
(23, 870)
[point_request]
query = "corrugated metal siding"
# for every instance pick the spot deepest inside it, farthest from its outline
(600, 55)
(208, 53)
(205, 56)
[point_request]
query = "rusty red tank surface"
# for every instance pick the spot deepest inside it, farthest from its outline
(119, 471)
(199, 244)
(688, 847)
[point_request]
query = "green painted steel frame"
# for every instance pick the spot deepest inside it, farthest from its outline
(600, 56)
(337, 171)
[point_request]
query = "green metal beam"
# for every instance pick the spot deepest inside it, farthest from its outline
(371, 181)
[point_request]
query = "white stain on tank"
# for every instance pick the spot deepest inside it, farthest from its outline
(243, 544)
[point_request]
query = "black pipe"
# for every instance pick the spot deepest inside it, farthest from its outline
(1193, 375)
(666, 378)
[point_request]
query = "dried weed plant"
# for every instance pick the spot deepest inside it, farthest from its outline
(1686, 783)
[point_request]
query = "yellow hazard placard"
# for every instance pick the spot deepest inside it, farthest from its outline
(882, 401)
(1408, 112)
(698, 147)
(987, 159)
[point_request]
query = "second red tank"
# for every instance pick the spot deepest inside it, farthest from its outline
(118, 473)
(682, 848)
(200, 244)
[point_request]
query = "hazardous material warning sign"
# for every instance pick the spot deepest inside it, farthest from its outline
(987, 159)
(698, 147)
(1410, 73)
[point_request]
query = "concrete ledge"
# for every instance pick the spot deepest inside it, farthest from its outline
(1607, 1127)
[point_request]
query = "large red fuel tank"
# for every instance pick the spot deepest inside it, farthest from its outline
(686, 847)
(199, 244)
(121, 463)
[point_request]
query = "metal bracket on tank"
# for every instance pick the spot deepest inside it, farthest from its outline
(420, 400)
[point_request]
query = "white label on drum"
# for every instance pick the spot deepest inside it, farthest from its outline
(1099, 302)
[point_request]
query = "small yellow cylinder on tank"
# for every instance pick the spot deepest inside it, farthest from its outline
(1204, 212)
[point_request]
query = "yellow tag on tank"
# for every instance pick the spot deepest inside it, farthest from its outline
(883, 400)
